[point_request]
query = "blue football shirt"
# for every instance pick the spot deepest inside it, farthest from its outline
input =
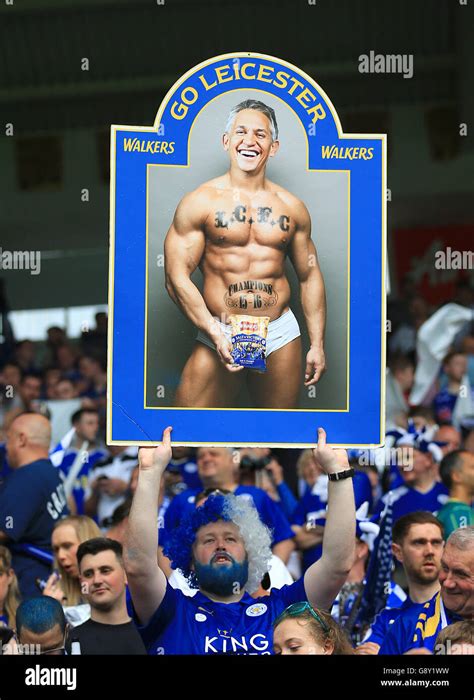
(312, 507)
(4, 467)
(198, 625)
(418, 627)
(408, 500)
(443, 405)
(32, 499)
(382, 623)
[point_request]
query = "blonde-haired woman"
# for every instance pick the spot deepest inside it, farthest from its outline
(9, 591)
(68, 534)
(308, 471)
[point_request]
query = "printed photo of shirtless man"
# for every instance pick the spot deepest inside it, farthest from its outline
(239, 228)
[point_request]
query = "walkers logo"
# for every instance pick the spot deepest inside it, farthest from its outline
(144, 146)
(347, 153)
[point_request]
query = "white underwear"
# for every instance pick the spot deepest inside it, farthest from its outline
(281, 331)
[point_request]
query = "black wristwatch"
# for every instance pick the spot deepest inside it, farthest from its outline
(338, 476)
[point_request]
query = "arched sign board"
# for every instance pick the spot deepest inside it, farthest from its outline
(247, 252)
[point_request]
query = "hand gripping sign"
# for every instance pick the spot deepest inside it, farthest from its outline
(246, 283)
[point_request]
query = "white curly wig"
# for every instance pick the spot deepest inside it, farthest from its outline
(256, 536)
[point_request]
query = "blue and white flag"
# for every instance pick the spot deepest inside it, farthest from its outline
(56, 455)
(377, 587)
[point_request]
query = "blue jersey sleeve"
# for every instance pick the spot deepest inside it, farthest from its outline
(275, 519)
(400, 635)
(292, 593)
(288, 502)
(381, 626)
(299, 514)
(362, 490)
(160, 619)
(20, 497)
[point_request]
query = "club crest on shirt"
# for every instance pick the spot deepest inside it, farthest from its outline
(256, 610)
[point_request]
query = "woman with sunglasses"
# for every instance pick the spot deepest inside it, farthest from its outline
(302, 629)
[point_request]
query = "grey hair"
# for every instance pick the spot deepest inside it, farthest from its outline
(462, 538)
(260, 107)
(256, 536)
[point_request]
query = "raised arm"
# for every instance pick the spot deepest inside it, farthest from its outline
(303, 255)
(184, 247)
(146, 580)
(323, 580)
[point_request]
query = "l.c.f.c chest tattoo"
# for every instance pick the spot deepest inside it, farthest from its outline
(239, 215)
(250, 294)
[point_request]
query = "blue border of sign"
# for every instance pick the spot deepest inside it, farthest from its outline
(133, 148)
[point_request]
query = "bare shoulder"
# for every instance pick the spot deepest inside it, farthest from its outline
(193, 207)
(298, 208)
(202, 197)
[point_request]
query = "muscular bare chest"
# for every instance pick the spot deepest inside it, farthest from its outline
(267, 222)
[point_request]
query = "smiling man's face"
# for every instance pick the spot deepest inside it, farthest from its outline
(249, 141)
(457, 581)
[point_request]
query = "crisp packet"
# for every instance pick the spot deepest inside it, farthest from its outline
(248, 339)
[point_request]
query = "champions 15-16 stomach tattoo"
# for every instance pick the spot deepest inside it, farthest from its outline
(223, 220)
(250, 294)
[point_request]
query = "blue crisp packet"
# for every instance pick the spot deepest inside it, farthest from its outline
(248, 339)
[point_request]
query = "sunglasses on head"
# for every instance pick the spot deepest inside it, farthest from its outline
(297, 609)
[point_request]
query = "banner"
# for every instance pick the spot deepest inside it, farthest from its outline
(246, 283)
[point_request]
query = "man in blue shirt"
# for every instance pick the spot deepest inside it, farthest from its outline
(421, 491)
(417, 543)
(86, 423)
(309, 517)
(217, 469)
(224, 549)
(4, 468)
(416, 629)
(32, 499)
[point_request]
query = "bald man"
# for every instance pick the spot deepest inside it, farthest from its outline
(32, 499)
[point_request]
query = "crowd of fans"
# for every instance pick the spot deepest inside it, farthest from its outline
(107, 550)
